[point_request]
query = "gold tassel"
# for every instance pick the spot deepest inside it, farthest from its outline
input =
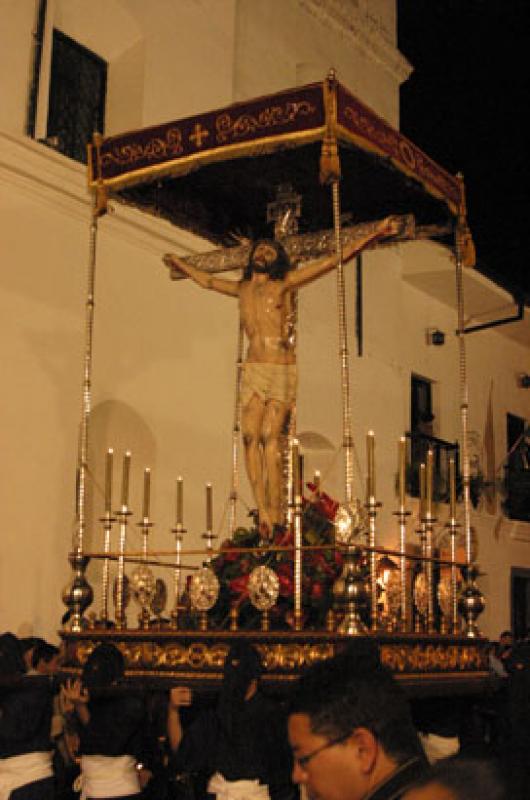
(464, 236)
(329, 157)
(100, 207)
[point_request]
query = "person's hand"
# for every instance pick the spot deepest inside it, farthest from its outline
(180, 696)
(144, 775)
(73, 694)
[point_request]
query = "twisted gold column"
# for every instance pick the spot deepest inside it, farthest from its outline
(234, 489)
(347, 440)
(471, 600)
(79, 594)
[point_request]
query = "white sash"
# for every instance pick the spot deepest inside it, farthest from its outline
(17, 771)
(237, 790)
(109, 776)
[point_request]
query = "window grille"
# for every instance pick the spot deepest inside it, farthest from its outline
(78, 85)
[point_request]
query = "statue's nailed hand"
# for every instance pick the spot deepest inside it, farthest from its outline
(390, 226)
(396, 226)
(170, 261)
(173, 262)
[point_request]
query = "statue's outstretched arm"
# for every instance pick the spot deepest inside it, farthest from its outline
(301, 277)
(203, 279)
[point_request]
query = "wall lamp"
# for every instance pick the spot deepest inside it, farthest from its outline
(435, 336)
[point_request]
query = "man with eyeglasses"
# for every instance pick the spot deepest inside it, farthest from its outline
(351, 732)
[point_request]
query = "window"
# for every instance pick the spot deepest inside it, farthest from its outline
(78, 87)
(421, 440)
(421, 416)
(517, 469)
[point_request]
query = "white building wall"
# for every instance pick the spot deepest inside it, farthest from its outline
(164, 353)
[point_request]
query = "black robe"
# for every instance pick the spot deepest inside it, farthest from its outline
(256, 748)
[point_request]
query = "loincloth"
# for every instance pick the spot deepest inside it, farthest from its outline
(268, 382)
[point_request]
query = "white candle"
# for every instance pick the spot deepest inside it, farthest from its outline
(125, 478)
(452, 489)
(180, 501)
(296, 469)
(422, 491)
(401, 470)
(108, 480)
(428, 480)
(147, 492)
(370, 453)
(209, 507)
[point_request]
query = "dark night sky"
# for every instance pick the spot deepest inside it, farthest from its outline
(465, 105)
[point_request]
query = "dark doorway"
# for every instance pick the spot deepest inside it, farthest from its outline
(520, 589)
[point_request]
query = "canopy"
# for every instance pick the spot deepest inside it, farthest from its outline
(215, 173)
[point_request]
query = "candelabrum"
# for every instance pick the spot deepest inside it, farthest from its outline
(179, 531)
(471, 602)
(350, 594)
(371, 506)
(78, 595)
(450, 614)
(123, 520)
(108, 520)
(349, 589)
(401, 613)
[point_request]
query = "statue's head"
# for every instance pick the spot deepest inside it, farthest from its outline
(268, 257)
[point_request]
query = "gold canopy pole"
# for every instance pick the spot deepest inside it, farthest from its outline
(330, 173)
(471, 602)
(78, 595)
(235, 434)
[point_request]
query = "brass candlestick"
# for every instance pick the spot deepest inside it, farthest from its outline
(429, 521)
(108, 520)
(179, 532)
(471, 603)
(401, 515)
(372, 505)
(78, 595)
(349, 591)
(123, 520)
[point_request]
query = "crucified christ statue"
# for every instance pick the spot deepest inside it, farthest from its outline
(268, 389)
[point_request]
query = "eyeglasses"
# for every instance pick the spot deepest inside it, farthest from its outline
(303, 761)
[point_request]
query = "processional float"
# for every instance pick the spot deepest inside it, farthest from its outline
(213, 174)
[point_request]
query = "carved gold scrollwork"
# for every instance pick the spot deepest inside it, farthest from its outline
(228, 128)
(432, 658)
(385, 138)
(153, 150)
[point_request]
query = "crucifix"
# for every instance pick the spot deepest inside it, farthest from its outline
(266, 297)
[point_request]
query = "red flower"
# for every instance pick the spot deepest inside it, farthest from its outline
(228, 556)
(317, 591)
(285, 576)
(284, 537)
(327, 506)
(239, 585)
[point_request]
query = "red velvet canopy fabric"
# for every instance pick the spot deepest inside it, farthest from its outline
(216, 172)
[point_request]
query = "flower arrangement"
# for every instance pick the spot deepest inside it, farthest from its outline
(320, 568)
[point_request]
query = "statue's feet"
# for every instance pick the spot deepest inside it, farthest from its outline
(265, 526)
